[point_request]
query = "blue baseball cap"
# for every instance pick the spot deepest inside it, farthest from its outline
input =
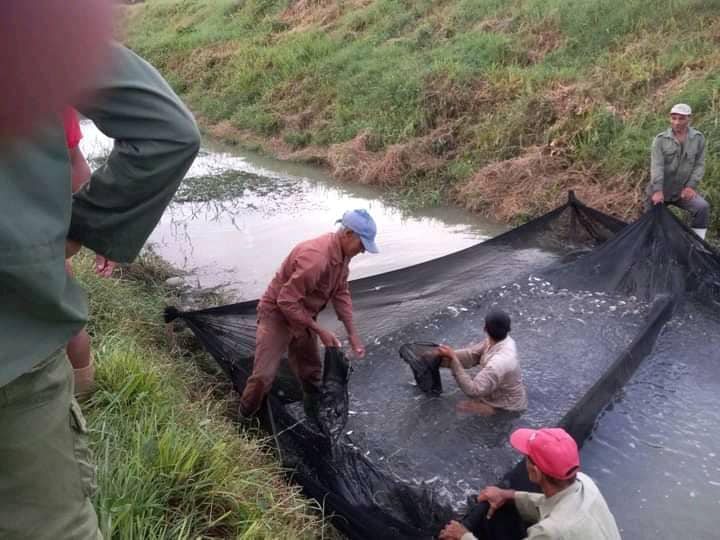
(362, 224)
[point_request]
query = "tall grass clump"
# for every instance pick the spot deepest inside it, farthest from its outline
(170, 464)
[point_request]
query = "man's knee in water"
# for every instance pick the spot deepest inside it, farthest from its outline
(475, 406)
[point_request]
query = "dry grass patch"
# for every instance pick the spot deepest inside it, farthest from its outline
(445, 99)
(224, 131)
(570, 99)
(205, 62)
(536, 182)
(350, 161)
(693, 71)
(498, 25)
(643, 72)
(353, 161)
(541, 39)
(311, 153)
(298, 106)
(302, 15)
(227, 132)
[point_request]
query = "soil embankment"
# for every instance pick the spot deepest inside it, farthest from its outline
(496, 106)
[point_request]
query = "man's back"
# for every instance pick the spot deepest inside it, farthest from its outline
(323, 268)
(501, 361)
(500, 373)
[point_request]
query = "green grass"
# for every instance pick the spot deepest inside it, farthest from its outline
(489, 69)
(170, 464)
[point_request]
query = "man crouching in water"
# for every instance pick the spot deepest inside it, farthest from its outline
(313, 274)
(570, 506)
(498, 385)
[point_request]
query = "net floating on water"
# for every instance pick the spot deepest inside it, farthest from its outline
(588, 295)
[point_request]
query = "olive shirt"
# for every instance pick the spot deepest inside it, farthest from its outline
(156, 140)
(675, 165)
(578, 512)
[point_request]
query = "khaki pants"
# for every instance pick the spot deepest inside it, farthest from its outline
(46, 471)
(698, 208)
(272, 340)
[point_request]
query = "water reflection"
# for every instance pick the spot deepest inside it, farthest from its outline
(235, 218)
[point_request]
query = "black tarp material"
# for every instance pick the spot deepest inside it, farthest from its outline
(424, 364)
(334, 401)
(588, 296)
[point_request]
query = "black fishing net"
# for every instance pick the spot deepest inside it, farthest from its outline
(660, 434)
(425, 365)
(333, 400)
(588, 297)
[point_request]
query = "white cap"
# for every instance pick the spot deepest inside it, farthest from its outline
(681, 108)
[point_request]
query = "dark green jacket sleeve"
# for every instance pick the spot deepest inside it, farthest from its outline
(156, 141)
(698, 170)
(657, 166)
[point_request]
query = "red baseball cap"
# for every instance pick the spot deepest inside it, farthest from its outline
(552, 450)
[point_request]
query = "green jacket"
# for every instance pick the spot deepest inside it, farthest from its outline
(675, 165)
(156, 141)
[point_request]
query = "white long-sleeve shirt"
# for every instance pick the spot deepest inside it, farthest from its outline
(499, 382)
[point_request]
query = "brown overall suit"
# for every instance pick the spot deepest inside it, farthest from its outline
(313, 274)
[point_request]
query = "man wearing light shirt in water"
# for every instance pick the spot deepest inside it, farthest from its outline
(570, 506)
(498, 384)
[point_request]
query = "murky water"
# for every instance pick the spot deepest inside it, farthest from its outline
(424, 438)
(655, 450)
(236, 218)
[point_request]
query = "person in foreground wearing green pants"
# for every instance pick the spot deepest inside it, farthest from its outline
(46, 471)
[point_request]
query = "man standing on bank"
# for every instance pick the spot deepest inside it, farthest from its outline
(313, 274)
(677, 166)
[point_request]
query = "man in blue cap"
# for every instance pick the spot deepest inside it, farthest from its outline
(313, 274)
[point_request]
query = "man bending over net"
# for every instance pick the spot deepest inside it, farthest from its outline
(498, 384)
(313, 274)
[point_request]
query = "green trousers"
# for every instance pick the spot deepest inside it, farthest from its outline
(46, 471)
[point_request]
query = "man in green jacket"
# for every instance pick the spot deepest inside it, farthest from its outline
(46, 472)
(677, 166)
